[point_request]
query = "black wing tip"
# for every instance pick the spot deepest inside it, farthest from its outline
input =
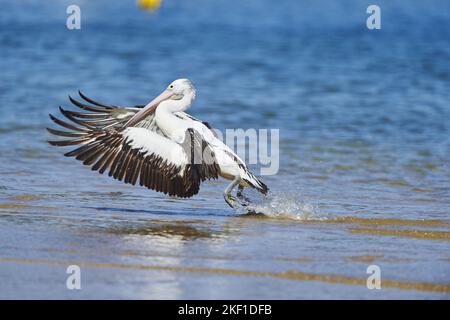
(82, 95)
(262, 187)
(50, 130)
(72, 99)
(75, 101)
(92, 101)
(54, 118)
(265, 190)
(259, 185)
(53, 143)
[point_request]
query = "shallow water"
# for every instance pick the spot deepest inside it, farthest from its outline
(364, 151)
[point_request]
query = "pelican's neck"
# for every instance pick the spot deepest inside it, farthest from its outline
(170, 124)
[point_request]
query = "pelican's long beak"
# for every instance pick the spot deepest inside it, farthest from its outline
(149, 108)
(166, 94)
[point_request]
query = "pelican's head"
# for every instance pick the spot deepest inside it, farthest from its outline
(177, 97)
(181, 88)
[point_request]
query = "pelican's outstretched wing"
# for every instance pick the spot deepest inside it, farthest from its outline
(137, 154)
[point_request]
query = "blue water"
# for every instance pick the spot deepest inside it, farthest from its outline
(364, 121)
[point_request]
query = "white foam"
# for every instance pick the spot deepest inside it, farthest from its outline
(285, 205)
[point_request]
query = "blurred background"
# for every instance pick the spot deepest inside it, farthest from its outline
(364, 121)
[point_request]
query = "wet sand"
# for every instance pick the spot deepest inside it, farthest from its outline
(145, 254)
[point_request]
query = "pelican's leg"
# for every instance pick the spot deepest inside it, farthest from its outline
(229, 198)
(244, 200)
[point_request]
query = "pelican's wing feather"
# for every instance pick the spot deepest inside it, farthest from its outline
(184, 115)
(138, 154)
(102, 116)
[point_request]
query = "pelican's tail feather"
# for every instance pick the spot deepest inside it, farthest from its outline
(254, 182)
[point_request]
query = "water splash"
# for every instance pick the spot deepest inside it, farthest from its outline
(284, 205)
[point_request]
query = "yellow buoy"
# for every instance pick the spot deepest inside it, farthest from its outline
(149, 4)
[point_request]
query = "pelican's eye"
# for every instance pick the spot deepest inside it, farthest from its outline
(171, 86)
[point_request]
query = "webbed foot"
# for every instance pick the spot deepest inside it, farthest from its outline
(230, 200)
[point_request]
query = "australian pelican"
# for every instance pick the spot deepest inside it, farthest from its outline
(158, 145)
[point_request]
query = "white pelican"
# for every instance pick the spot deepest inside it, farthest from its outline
(159, 145)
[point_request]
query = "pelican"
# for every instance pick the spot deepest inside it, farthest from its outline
(158, 145)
